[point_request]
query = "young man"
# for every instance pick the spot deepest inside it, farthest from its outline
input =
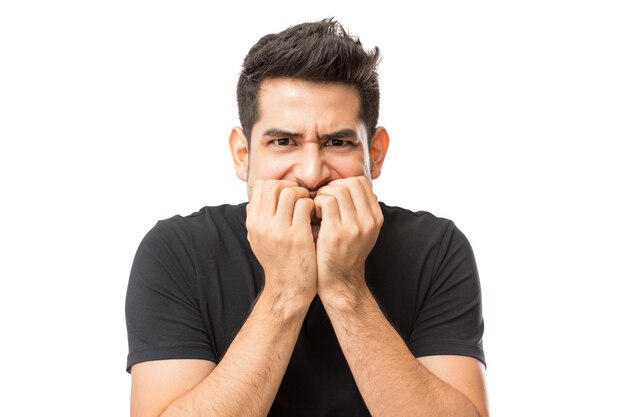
(313, 299)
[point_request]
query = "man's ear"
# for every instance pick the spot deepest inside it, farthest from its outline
(378, 151)
(239, 152)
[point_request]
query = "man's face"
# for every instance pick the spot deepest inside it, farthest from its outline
(307, 132)
(310, 133)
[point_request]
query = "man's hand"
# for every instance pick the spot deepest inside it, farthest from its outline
(279, 232)
(351, 221)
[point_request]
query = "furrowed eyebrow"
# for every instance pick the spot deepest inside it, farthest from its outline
(340, 134)
(278, 133)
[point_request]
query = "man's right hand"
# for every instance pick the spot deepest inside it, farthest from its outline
(279, 232)
(245, 380)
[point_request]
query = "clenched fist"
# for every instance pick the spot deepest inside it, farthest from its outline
(351, 220)
(279, 231)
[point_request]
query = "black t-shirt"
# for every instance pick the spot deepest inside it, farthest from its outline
(194, 280)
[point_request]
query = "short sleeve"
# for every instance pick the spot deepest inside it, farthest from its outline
(163, 316)
(450, 321)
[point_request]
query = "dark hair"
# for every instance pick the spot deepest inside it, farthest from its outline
(316, 51)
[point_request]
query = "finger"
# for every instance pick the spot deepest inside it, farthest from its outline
(342, 194)
(287, 201)
(270, 193)
(252, 209)
(329, 208)
(362, 195)
(302, 212)
(369, 213)
(368, 188)
(318, 213)
(254, 193)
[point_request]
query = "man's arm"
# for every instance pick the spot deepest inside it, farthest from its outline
(243, 384)
(391, 381)
(246, 380)
(156, 384)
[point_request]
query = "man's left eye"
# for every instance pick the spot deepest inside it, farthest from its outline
(338, 142)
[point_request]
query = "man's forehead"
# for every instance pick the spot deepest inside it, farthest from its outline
(290, 104)
(292, 91)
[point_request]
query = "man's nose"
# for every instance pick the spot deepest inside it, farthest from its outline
(311, 171)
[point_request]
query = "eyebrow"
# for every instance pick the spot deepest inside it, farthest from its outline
(339, 134)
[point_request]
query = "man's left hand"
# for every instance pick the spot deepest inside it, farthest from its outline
(351, 221)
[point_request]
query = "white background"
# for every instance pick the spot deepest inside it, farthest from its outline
(507, 117)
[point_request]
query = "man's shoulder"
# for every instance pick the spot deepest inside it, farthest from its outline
(405, 219)
(414, 231)
(225, 215)
(208, 225)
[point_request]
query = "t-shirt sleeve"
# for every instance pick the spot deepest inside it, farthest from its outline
(450, 321)
(163, 315)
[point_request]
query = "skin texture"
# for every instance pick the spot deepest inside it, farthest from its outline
(312, 220)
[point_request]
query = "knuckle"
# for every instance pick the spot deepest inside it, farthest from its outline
(370, 229)
(278, 238)
(258, 185)
(288, 192)
(354, 232)
(305, 203)
(270, 184)
(322, 200)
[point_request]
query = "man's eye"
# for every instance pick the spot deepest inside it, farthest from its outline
(338, 142)
(282, 142)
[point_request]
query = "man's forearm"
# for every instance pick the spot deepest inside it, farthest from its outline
(390, 379)
(246, 380)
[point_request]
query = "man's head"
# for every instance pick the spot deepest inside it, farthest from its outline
(308, 103)
(318, 52)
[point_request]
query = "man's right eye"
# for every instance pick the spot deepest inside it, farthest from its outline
(282, 142)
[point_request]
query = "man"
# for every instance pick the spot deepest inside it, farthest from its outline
(313, 299)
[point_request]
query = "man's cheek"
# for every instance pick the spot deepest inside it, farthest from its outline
(265, 167)
(355, 169)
